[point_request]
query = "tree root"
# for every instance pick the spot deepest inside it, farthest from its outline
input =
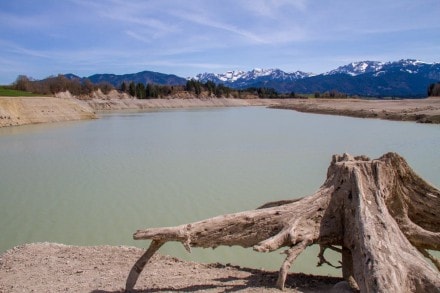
(292, 253)
(323, 260)
(379, 212)
(140, 264)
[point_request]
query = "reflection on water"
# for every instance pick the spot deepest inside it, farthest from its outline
(96, 182)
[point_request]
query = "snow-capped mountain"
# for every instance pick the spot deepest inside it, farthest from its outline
(239, 78)
(357, 68)
(406, 77)
(377, 67)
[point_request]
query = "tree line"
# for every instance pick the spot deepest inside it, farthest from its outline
(60, 83)
(209, 88)
(434, 90)
(220, 90)
(149, 90)
(84, 87)
(333, 94)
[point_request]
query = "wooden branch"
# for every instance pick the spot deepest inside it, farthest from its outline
(292, 254)
(140, 264)
(321, 257)
(379, 211)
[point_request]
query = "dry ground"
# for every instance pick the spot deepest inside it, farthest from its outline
(65, 107)
(420, 110)
(49, 267)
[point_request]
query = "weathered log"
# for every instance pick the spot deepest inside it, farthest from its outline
(379, 212)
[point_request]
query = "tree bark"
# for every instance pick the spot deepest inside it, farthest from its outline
(382, 215)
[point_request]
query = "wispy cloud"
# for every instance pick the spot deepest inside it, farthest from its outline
(187, 36)
(138, 37)
(16, 49)
(143, 14)
(198, 65)
(29, 22)
(208, 21)
(272, 8)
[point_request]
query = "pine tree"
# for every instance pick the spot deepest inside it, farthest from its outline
(132, 89)
(123, 87)
(140, 91)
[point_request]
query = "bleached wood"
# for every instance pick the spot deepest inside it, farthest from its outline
(381, 214)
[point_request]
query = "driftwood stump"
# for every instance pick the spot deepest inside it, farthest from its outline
(379, 214)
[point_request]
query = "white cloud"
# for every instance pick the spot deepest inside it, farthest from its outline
(272, 8)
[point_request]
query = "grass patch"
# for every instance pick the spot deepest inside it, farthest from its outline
(7, 92)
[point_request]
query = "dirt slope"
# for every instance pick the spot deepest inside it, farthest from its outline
(32, 110)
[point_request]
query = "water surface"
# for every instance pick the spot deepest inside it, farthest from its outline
(96, 182)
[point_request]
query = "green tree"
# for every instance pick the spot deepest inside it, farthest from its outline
(140, 90)
(132, 89)
(194, 86)
(152, 91)
(123, 87)
(210, 86)
(222, 90)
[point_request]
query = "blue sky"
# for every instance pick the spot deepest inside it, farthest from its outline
(48, 37)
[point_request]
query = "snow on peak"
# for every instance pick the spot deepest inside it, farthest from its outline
(231, 75)
(411, 62)
(356, 68)
(235, 75)
(376, 68)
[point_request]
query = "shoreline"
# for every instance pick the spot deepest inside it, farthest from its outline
(52, 267)
(416, 110)
(16, 111)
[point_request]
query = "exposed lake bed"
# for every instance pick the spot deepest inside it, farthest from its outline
(65, 107)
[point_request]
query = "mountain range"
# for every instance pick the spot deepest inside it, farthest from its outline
(140, 77)
(403, 78)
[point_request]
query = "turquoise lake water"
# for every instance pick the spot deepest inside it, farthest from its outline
(96, 182)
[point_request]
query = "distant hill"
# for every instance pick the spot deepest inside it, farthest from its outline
(140, 77)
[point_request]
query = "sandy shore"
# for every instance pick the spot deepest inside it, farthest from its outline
(65, 107)
(16, 111)
(115, 101)
(419, 110)
(32, 110)
(49, 267)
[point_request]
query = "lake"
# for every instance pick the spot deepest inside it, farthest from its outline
(96, 182)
